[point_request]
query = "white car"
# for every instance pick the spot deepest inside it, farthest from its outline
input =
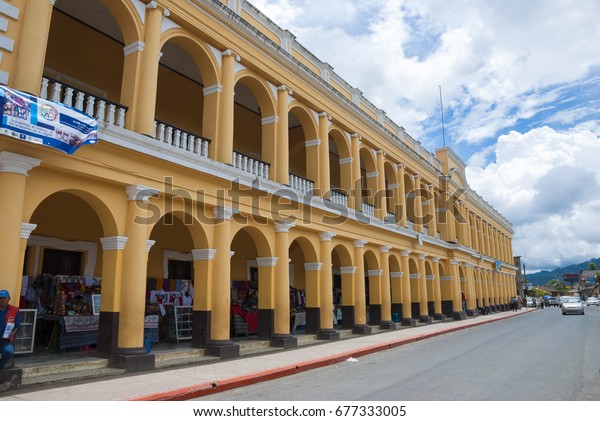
(592, 301)
(572, 305)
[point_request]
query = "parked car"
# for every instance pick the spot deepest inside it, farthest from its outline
(530, 302)
(572, 305)
(592, 301)
(552, 302)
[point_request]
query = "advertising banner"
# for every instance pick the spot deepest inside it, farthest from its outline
(44, 122)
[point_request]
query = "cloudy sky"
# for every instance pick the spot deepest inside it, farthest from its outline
(520, 83)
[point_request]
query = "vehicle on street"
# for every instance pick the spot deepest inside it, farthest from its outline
(592, 301)
(530, 302)
(572, 305)
(552, 302)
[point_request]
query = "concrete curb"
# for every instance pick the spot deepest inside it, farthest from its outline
(209, 388)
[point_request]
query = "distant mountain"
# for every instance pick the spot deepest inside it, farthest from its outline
(542, 278)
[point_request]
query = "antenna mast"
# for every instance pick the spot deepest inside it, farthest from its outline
(442, 112)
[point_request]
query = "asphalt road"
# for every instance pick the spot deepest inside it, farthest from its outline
(540, 356)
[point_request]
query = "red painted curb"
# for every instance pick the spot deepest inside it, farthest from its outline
(204, 389)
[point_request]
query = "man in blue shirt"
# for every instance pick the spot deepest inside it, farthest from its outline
(9, 326)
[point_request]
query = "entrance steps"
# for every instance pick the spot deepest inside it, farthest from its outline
(68, 372)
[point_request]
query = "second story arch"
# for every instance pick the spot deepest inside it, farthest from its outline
(254, 125)
(340, 166)
(303, 147)
(368, 179)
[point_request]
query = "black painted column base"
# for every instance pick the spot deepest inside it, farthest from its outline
(459, 315)
(312, 320)
(284, 341)
(132, 360)
(10, 379)
(488, 309)
(425, 318)
(408, 321)
(472, 312)
(223, 348)
(200, 328)
(266, 319)
(439, 316)
(504, 307)
(347, 317)
(387, 325)
(328, 334)
(108, 328)
(362, 329)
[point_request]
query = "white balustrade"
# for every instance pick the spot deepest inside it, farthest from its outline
(250, 165)
(368, 209)
(338, 198)
(300, 184)
(95, 107)
(180, 139)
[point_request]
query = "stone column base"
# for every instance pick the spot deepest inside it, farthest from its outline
(425, 318)
(132, 360)
(10, 379)
(408, 321)
(387, 325)
(223, 349)
(328, 335)
(459, 315)
(473, 312)
(284, 341)
(439, 316)
(362, 329)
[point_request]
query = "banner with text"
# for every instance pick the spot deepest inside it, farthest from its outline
(44, 122)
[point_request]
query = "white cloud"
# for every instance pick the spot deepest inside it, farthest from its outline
(547, 184)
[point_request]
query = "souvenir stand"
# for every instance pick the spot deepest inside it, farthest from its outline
(65, 310)
(169, 306)
(244, 308)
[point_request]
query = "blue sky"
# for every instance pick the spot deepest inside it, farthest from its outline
(521, 94)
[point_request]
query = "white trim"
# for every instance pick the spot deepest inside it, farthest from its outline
(88, 247)
(360, 243)
(326, 236)
(374, 272)
(430, 277)
(9, 10)
(396, 274)
(269, 120)
(347, 270)
(372, 174)
(415, 275)
(113, 243)
(134, 47)
(312, 266)
(18, 164)
(149, 244)
(209, 90)
(140, 192)
(345, 160)
(310, 143)
(261, 262)
(204, 254)
(385, 249)
(445, 278)
(26, 230)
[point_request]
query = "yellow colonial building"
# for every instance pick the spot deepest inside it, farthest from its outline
(231, 163)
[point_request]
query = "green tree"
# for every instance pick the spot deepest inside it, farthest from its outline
(592, 266)
(559, 285)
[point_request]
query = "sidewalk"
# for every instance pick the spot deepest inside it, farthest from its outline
(194, 381)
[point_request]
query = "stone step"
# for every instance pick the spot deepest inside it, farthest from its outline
(185, 361)
(65, 367)
(180, 354)
(250, 345)
(70, 376)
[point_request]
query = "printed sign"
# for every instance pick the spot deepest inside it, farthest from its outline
(44, 122)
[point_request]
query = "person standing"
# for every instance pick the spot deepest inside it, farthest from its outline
(10, 323)
(464, 301)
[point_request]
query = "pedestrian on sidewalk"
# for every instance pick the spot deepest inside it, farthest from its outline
(10, 323)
